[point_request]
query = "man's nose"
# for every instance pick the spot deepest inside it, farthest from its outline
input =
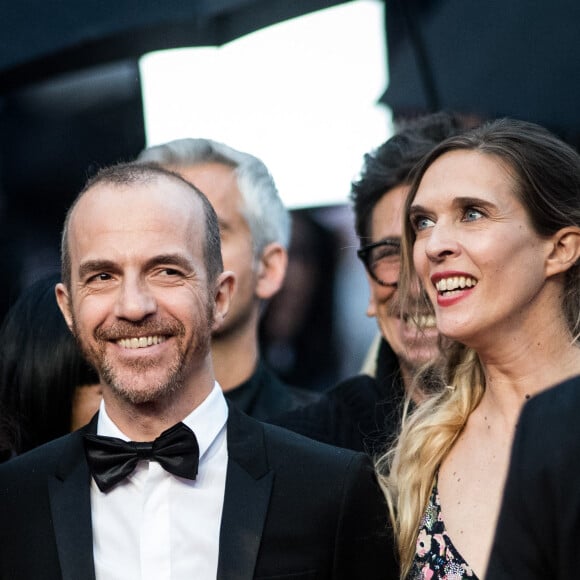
(135, 300)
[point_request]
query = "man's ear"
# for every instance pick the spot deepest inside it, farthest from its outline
(224, 289)
(271, 270)
(565, 250)
(64, 303)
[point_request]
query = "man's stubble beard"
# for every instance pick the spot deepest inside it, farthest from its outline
(130, 389)
(421, 351)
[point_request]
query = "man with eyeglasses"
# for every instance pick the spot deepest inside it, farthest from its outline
(364, 411)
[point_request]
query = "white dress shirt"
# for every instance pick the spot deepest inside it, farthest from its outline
(156, 526)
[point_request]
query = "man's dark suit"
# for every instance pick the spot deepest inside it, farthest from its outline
(538, 534)
(294, 509)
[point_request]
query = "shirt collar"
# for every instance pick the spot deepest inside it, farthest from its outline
(206, 420)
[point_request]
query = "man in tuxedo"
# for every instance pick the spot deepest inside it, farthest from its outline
(255, 233)
(167, 481)
(538, 531)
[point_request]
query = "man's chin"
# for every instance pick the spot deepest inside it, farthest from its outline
(418, 356)
(141, 387)
(143, 396)
(230, 330)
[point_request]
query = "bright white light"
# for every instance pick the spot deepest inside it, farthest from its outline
(301, 95)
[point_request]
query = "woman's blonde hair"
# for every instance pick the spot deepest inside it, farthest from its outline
(546, 177)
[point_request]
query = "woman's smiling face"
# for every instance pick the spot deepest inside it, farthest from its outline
(476, 253)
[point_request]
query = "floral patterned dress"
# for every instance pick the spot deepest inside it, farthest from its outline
(436, 557)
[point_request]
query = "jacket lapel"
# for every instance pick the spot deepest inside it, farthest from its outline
(248, 487)
(247, 495)
(69, 491)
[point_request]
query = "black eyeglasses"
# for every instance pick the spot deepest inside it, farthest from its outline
(382, 261)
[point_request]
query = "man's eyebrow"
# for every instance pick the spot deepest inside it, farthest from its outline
(91, 266)
(169, 260)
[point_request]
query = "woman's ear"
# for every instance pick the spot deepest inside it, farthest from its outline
(565, 250)
(271, 270)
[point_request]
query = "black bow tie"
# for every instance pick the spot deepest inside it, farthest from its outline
(111, 460)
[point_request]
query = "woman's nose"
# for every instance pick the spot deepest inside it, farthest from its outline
(441, 242)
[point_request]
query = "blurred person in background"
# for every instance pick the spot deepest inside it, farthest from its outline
(255, 232)
(297, 331)
(46, 386)
(364, 412)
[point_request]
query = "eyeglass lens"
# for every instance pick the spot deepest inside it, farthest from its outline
(385, 263)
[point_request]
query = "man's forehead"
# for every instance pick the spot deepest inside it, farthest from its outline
(217, 180)
(387, 214)
(162, 190)
(162, 212)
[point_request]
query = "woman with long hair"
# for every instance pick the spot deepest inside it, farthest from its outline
(492, 231)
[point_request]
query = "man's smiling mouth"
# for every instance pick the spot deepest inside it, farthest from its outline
(420, 321)
(141, 342)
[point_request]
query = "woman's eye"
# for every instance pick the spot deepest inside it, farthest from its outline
(422, 222)
(472, 214)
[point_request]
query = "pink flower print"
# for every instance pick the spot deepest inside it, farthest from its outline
(440, 539)
(423, 543)
(426, 573)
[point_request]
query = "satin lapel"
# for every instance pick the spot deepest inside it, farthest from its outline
(70, 504)
(248, 488)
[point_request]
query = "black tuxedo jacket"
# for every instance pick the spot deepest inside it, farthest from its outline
(538, 533)
(293, 509)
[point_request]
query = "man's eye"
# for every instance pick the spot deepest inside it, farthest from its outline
(386, 253)
(472, 214)
(100, 277)
(170, 272)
